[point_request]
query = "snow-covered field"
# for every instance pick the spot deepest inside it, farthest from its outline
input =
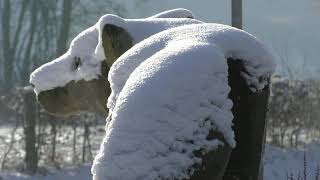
(79, 173)
(278, 162)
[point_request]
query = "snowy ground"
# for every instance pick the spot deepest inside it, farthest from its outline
(278, 163)
(79, 173)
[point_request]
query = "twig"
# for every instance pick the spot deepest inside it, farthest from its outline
(318, 172)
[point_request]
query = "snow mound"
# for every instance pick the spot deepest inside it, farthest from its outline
(168, 92)
(88, 47)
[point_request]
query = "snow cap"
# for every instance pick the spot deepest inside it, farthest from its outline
(175, 13)
(88, 47)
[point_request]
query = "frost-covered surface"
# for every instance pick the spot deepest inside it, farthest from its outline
(278, 162)
(160, 117)
(140, 29)
(176, 13)
(167, 93)
(87, 46)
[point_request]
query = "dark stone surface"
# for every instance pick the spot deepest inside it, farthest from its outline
(78, 96)
(249, 110)
(214, 162)
(245, 162)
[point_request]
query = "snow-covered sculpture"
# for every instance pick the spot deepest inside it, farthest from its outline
(174, 98)
(77, 81)
(172, 107)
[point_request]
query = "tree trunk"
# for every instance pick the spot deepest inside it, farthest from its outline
(25, 68)
(31, 156)
(6, 44)
(64, 27)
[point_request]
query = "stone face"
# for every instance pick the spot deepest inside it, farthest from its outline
(78, 96)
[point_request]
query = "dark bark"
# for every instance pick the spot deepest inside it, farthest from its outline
(31, 157)
(20, 23)
(6, 43)
(32, 32)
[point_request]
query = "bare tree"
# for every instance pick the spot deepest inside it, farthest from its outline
(6, 42)
(64, 26)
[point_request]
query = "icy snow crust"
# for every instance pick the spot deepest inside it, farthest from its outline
(168, 91)
(88, 46)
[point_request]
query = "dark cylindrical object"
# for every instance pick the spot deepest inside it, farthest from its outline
(31, 156)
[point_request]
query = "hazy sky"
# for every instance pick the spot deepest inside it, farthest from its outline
(291, 28)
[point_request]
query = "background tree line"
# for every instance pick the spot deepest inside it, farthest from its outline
(33, 32)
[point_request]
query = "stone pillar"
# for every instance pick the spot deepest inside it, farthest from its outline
(29, 118)
(245, 161)
(249, 110)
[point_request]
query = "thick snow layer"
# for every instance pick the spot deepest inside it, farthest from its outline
(140, 29)
(164, 113)
(175, 13)
(88, 47)
(167, 93)
(232, 43)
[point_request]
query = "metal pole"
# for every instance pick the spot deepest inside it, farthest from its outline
(236, 13)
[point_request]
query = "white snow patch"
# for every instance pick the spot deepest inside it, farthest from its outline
(80, 173)
(167, 93)
(88, 47)
(175, 13)
(280, 162)
(140, 29)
